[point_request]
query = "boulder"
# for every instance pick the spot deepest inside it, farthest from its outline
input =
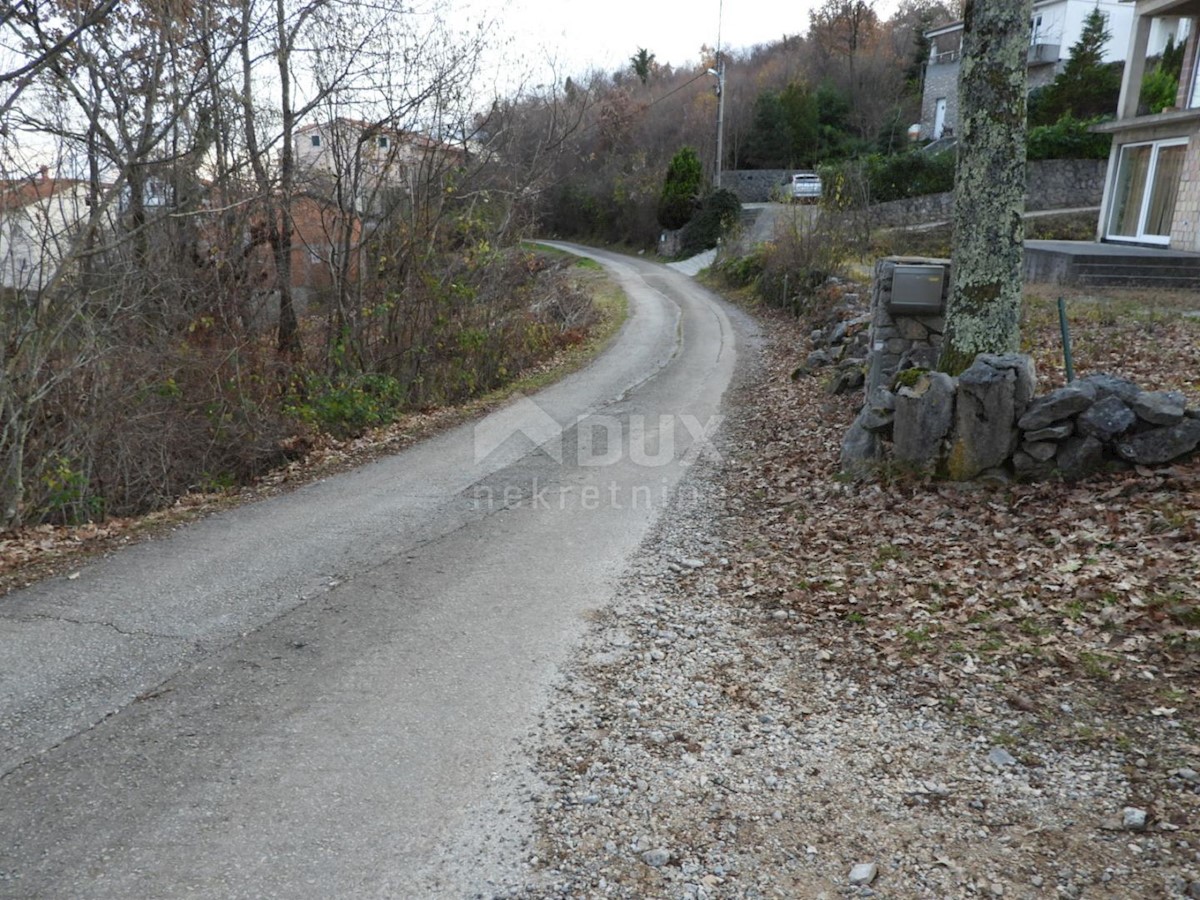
(1022, 365)
(846, 380)
(879, 413)
(882, 398)
(1059, 404)
(1159, 407)
(1080, 456)
(818, 358)
(1160, 445)
(1107, 385)
(1106, 418)
(1040, 450)
(989, 394)
(860, 448)
(924, 414)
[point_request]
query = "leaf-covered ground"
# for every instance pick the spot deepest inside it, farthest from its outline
(1090, 590)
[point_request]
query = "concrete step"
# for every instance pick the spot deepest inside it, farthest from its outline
(1096, 265)
(1138, 279)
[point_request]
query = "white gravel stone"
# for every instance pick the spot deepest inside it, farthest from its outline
(864, 873)
(1133, 819)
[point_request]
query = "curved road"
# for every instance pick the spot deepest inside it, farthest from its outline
(323, 694)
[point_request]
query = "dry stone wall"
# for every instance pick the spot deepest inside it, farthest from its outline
(1052, 184)
(989, 420)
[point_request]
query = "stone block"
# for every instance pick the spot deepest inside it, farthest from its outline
(882, 398)
(985, 432)
(924, 414)
(1106, 418)
(817, 359)
(1160, 445)
(1159, 407)
(911, 329)
(845, 380)
(1080, 456)
(1107, 385)
(1040, 450)
(1056, 432)
(861, 449)
(1022, 365)
(1059, 404)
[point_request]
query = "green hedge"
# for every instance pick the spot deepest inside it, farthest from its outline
(895, 177)
(1067, 138)
(719, 212)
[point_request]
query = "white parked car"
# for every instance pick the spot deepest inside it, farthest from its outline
(806, 187)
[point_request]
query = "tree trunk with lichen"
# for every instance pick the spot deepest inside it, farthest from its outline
(989, 186)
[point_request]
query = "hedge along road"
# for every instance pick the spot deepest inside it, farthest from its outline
(323, 694)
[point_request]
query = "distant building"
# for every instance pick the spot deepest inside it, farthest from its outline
(40, 219)
(362, 164)
(1054, 28)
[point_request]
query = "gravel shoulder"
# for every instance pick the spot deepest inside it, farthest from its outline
(733, 726)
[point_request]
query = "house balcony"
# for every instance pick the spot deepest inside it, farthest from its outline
(1044, 54)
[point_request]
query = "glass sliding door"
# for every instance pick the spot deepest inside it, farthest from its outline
(1145, 192)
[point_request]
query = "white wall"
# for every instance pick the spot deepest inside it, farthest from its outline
(1063, 20)
(36, 238)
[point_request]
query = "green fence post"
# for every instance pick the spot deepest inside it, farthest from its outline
(1066, 339)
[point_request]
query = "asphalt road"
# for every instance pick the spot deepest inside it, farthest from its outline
(325, 694)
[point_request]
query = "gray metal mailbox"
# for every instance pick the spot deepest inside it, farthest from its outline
(917, 290)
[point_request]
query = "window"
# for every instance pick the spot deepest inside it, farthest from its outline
(1194, 93)
(1144, 194)
(1035, 27)
(315, 140)
(383, 142)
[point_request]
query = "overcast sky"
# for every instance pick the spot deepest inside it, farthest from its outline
(603, 34)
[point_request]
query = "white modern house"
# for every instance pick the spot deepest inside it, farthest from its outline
(1152, 193)
(1054, 28)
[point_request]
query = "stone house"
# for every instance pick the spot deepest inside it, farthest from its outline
(1054, 28)
(1152, 193)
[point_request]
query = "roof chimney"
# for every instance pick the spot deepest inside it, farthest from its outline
(45, 173)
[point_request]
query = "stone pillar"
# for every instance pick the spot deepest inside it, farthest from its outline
(898, 342)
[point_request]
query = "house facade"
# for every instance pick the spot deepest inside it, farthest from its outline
(1055, 26)
(1152, 192)
(40, 221)
(363, 163)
